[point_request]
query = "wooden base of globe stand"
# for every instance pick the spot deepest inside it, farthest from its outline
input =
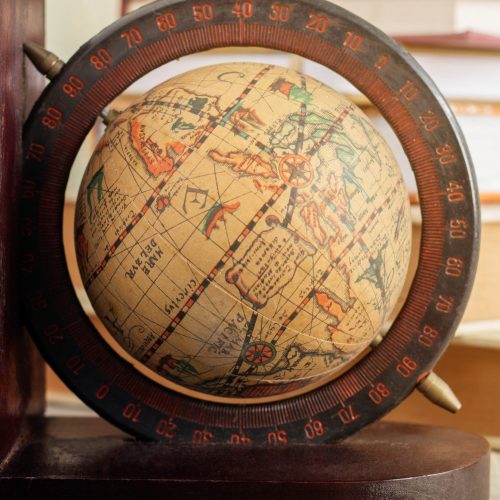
(80, 457)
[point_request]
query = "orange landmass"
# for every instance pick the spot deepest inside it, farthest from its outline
(330, 306)
(310, 214)
(219, 216)
(261, 188)
(177, 147)
(157, 161)
(332, 222)
(245, 162)
(342, 340)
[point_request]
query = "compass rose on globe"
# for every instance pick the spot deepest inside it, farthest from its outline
(296, 170)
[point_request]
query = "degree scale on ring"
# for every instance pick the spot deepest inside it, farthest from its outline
(50, 66)
(423, 123)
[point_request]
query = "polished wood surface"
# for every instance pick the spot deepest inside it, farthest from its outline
(21, 369)
(77, 458)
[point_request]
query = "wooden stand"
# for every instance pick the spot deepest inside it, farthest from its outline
(86, 457)
(22, 388)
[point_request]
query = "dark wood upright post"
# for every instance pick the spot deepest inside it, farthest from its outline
(21, 368)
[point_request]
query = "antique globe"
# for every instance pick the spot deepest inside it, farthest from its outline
(243, 231)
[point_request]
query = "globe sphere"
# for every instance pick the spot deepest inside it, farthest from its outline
(243, 231)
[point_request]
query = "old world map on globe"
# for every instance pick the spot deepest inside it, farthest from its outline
(243, 231)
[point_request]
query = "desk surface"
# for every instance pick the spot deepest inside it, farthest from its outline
(79, 457)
